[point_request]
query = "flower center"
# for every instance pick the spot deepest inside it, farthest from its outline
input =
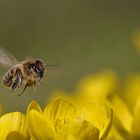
(58, 124)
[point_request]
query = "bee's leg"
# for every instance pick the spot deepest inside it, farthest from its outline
(39, 81)
(17, 80)
(23, 89)
(15, 83)
(35, 84)
(20, 79)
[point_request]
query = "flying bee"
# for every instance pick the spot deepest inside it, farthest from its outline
(28, 72)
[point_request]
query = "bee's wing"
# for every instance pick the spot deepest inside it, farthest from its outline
(6, 58)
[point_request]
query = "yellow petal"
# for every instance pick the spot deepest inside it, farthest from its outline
(115, 134)
(97, 86)
(136, 121)
(100, 115)
(15, 136)
(132, 91)
(66, 136)
(38, 126)
(122, 116)
(13, 127)
(59, 112)
(78, 130)
(136, 125)
(34, 105)
(105, 131)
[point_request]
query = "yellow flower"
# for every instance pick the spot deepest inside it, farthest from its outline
(45, 125)
(13, 127)
(60, 121)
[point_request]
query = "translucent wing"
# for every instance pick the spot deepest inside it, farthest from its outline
(6, 58)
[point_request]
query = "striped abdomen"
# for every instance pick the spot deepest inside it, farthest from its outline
(7, 78)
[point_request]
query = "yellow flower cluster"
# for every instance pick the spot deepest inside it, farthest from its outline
(95, 111)
(124, 100)
(60, 120)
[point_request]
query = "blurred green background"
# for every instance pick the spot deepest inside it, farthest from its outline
(82, 36)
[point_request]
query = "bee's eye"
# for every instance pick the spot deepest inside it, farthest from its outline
(34, 67)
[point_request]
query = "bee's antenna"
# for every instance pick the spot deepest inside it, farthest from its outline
(52, 65)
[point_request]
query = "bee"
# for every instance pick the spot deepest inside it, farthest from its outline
(28, 72)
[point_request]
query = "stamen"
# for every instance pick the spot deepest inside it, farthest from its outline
(58, 124)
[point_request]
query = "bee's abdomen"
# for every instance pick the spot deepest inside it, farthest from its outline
(7, 78)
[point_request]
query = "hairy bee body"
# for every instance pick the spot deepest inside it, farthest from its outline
(28, 72)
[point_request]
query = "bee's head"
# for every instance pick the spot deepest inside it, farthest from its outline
(37, 68)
